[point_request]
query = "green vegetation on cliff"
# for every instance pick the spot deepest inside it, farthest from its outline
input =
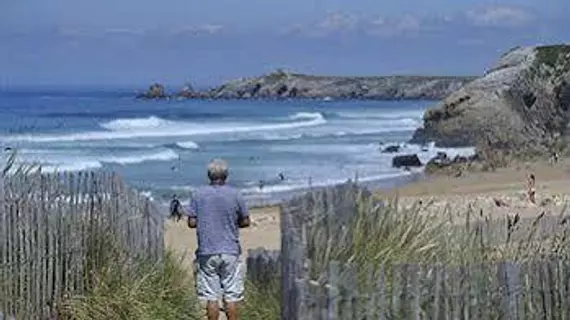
(552, 55)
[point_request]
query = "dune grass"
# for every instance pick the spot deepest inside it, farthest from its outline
(391, 234)
(122, 286)
(262, 301)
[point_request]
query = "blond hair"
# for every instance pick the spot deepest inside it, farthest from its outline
(218, 170)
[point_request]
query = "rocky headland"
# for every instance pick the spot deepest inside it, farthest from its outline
(518, 111)
(281, 84)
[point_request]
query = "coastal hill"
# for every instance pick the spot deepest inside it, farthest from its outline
(519, 110)
(282, 84)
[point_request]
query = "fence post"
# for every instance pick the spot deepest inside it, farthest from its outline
(293, 264)
(414, 292)
(509, 281)
(437, 286)
(332, 290)
(381, 302)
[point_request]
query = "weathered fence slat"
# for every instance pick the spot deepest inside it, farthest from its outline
(47, 228)
(338, 286)
(381, 304)
(333, 292)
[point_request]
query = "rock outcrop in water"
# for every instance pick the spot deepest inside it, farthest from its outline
(281, 84)
(155, 91)
(517, 111)
(286, 85)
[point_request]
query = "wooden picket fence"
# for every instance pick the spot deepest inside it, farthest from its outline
(505, 290)
(537, 290)
(316, 287)
(56, 228)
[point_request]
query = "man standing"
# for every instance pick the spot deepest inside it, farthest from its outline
(175, 208)
(217, 211)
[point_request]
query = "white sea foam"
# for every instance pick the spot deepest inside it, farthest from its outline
(72, 166)
(137, 124)
(163, 155)
(191, 145)
(306, 115)
(74, 160)
(299, 185)
(346, 128)
(128, 129)
(381, 114)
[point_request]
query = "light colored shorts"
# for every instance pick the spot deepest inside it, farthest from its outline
(219, 276)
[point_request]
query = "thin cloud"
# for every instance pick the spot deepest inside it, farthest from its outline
(400, 26)
(126, 31)
(409, 25)
(339, 22)
(346, 23)
(206, 29)
(499, 16)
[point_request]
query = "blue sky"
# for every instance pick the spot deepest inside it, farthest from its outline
(135, 42)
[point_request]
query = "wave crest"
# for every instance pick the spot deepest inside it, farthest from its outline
(154, 127)
(186, 145)
(307, 115)
(164, 155)
(136, 123)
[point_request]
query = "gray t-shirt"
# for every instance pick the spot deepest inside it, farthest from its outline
(217, 209)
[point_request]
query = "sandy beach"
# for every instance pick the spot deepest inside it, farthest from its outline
(264, 232)
(479, 190)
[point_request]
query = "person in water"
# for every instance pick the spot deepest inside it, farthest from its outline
(281, 176)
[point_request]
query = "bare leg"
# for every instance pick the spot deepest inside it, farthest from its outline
(232, 310)
(213, 310)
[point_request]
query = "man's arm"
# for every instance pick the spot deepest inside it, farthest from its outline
(192, 214)
(243, 213)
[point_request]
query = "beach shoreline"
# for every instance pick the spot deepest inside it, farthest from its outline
(476, 189)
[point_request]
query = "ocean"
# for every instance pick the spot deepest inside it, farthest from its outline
(274, 148)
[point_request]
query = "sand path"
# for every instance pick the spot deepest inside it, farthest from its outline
(264, 232)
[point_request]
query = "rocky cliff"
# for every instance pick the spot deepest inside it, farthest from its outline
(281, 84)
(517, 110)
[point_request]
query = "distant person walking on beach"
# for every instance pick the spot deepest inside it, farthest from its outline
(175, 208)
(531, 188)
(217, 211)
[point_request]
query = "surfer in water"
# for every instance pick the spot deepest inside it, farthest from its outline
(281, 176)
(261, 185)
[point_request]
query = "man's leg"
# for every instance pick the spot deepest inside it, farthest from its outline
(208, 284)
(213, 310)
(232, 278)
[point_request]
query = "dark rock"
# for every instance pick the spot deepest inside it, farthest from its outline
(282, 90)
(442, 164)
(293, 92)
(188, 92)
(408, 160)
(155, 91)
(256, 89)
(391, 149)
